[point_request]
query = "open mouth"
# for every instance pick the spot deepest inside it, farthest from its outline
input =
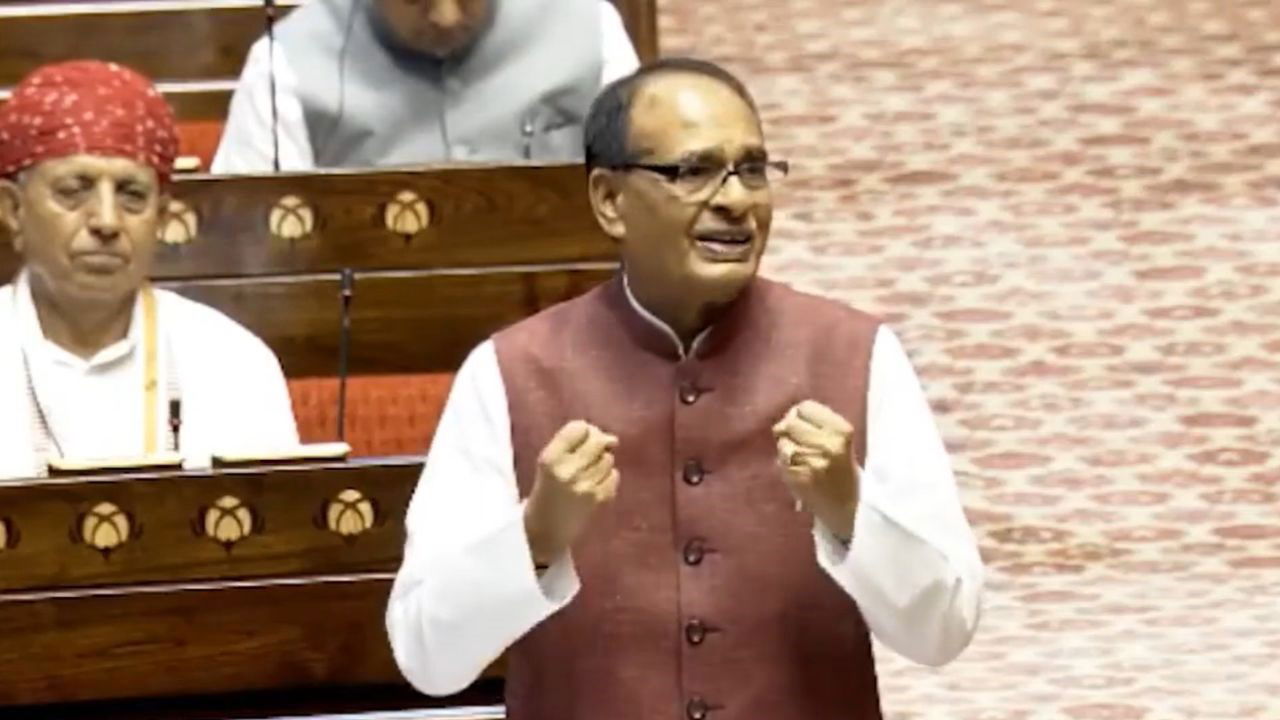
(727, 245)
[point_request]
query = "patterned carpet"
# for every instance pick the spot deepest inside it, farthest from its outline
(1070, 210)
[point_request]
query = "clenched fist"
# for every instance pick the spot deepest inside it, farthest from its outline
(576, 474)
(815, 452)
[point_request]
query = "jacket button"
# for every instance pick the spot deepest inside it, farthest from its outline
(696, 709)
(689, 393)
(694, 550)
(695, 631)
(693, 472)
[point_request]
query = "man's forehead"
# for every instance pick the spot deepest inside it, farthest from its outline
(96, 165)
(683, 111)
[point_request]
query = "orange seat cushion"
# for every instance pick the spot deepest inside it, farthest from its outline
(385, 414)
(200, 138)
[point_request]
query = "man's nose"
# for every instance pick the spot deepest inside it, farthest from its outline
(104, 214)
(733, 199)
(445, 13)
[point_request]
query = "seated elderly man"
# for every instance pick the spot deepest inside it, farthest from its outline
(364, 83)
(94, 361)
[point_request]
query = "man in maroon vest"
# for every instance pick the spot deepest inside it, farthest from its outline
(690, 493)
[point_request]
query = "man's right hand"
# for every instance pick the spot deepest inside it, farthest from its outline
(576, 474)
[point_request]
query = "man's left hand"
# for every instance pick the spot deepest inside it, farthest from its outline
(815, 452)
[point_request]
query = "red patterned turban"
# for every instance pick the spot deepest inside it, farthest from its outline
(89, 107)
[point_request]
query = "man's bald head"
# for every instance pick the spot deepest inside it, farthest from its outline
(608, 129)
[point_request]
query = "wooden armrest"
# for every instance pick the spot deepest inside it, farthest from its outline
(91, 466)
(188, 164)
(301, 453)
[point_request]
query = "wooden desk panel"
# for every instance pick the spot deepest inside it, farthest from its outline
(168, 514)
(424, 323)
(475, 217)
(471, 217)
(404, 322)
(202, 640)
(170, 614)
(641, 19)
(193, 40)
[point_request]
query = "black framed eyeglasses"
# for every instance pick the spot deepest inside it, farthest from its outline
(700, 181)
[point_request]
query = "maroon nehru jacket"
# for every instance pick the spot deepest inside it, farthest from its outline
(701, 593)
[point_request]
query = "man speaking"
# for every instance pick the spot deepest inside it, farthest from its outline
(690, 492)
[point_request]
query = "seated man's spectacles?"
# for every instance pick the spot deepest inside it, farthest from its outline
(700, 181)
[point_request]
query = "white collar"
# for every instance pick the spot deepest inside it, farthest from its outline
(665, 328)
(32, 336)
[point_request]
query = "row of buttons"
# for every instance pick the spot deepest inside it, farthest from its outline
(695, 631)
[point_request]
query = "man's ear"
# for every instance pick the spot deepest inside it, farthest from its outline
(603, 189)
(11, 213)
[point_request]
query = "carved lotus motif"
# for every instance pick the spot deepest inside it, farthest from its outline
(106, 527)
(350, 514)
(8, 534)
(407, 214)
(291, 218)
(181, 224)
(228, 521)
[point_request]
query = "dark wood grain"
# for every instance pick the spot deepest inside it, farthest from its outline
(288, 612)
(408, 322)
(169, 510)
(424, 323)
(198, 102)
(205, 101)
(258, 704)
(641, 19)
(195, 641)
(480, 216)
(187, 41)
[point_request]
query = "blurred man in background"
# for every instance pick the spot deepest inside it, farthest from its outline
(366, 83)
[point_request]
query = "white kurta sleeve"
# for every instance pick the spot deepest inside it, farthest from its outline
(618, 55)
(467, 588)
(247, 143)
(913, 566)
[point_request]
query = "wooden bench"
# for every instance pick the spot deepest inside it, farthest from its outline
(285, 615)
(468, 251)
(237, 593)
